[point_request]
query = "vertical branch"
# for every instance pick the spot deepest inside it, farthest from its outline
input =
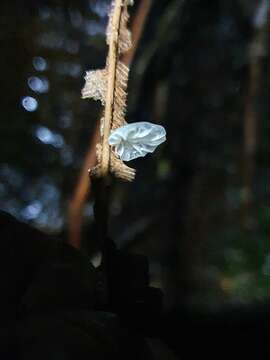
(250, 139)
(80, 194)
(256, 53)
(112, 61)
(83, 187)
(137, 27)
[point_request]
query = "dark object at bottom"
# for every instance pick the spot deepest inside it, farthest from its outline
(49, 309)
(48, 299)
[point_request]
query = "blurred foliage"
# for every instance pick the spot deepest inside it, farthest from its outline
(191, 74)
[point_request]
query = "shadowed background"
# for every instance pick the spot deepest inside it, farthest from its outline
(199, 207)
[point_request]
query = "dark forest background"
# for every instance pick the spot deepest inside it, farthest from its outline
(200, 206)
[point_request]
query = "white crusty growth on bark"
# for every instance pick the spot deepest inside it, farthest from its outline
(96, 82)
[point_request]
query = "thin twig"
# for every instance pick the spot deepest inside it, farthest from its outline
(257, 52)
(83, 186)
(112, 62)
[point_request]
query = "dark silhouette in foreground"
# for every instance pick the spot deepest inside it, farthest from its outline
(54, 305)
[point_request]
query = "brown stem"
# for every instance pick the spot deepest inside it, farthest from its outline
(257, 50)
(250, 129)
(137, 27)
(83, 186)
(112, 63)
(81, 192)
